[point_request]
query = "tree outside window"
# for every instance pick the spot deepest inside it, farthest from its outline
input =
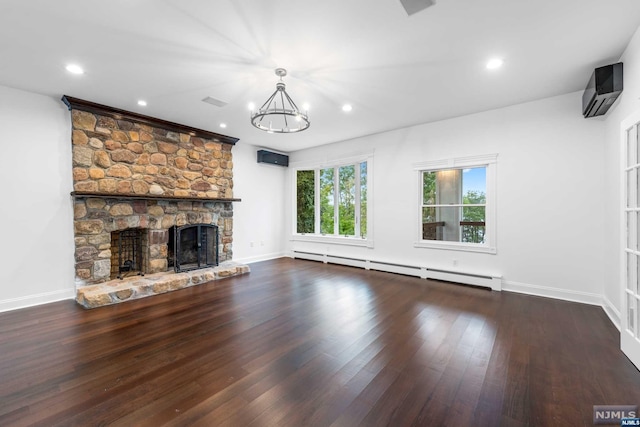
(305, 196)
(341, 205)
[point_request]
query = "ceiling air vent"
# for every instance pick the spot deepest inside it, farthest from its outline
(213, 101)
(415, 6)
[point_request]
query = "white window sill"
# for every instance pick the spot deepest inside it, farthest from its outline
(336, 240)
(453, 246)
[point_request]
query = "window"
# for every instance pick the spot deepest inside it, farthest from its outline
(331, 202)
(305, 201)
(456, 204)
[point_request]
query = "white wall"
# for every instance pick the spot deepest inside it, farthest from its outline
(258, 222)
(37, 262)
(550, 219)
(627, 103)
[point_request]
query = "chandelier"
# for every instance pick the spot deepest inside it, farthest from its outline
(279, 114)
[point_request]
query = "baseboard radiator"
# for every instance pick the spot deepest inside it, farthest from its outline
(491, 281)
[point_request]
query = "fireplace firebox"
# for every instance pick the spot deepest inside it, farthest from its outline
(191, 247)
(127, 253)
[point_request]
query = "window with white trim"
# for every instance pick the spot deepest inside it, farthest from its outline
(457, 204)
(331, 202)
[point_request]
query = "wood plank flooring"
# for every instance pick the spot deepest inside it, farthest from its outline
(299, 343)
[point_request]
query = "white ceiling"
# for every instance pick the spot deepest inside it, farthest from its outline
(394, 69)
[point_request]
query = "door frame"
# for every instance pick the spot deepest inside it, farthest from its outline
(629, 345)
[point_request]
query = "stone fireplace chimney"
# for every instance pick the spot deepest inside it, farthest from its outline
(134, 172)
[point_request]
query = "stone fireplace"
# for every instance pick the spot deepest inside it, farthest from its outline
(135, 180)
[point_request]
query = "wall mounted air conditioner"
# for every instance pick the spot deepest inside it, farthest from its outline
(604, 87)
(272, 158)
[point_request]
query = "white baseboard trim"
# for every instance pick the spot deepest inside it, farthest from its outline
(38, 299)
(492, 281)
(545, 291)
(266, 257)
(612, 312)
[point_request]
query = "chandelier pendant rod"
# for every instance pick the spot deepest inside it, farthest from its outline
(267, 104)
(284, 113)
(268, 101)
(293, 104)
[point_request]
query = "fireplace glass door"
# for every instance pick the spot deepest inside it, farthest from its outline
(193, 246)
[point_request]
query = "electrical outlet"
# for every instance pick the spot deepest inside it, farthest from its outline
(455, 262)
(252, 244)
(261, 242)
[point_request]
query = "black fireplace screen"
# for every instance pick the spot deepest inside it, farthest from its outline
(192, 246)
(130, 260)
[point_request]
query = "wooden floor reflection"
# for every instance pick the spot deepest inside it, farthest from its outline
(299, 343)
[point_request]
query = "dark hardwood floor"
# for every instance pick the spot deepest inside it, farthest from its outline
(299, 343)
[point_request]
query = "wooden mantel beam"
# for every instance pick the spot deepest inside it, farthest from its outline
(127, 196)
(92, 107)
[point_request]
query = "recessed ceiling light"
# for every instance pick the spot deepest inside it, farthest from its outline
(74, 69)
(223, 125)
(305, 106)
(142, 103)
(252, 106)
(494, 63)
(347, 107)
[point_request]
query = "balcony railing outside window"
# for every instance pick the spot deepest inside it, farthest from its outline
(470, 231)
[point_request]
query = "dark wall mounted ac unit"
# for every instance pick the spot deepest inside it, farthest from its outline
(270, 157)
(604, 87)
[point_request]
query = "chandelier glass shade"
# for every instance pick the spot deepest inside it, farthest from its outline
(279, 114)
